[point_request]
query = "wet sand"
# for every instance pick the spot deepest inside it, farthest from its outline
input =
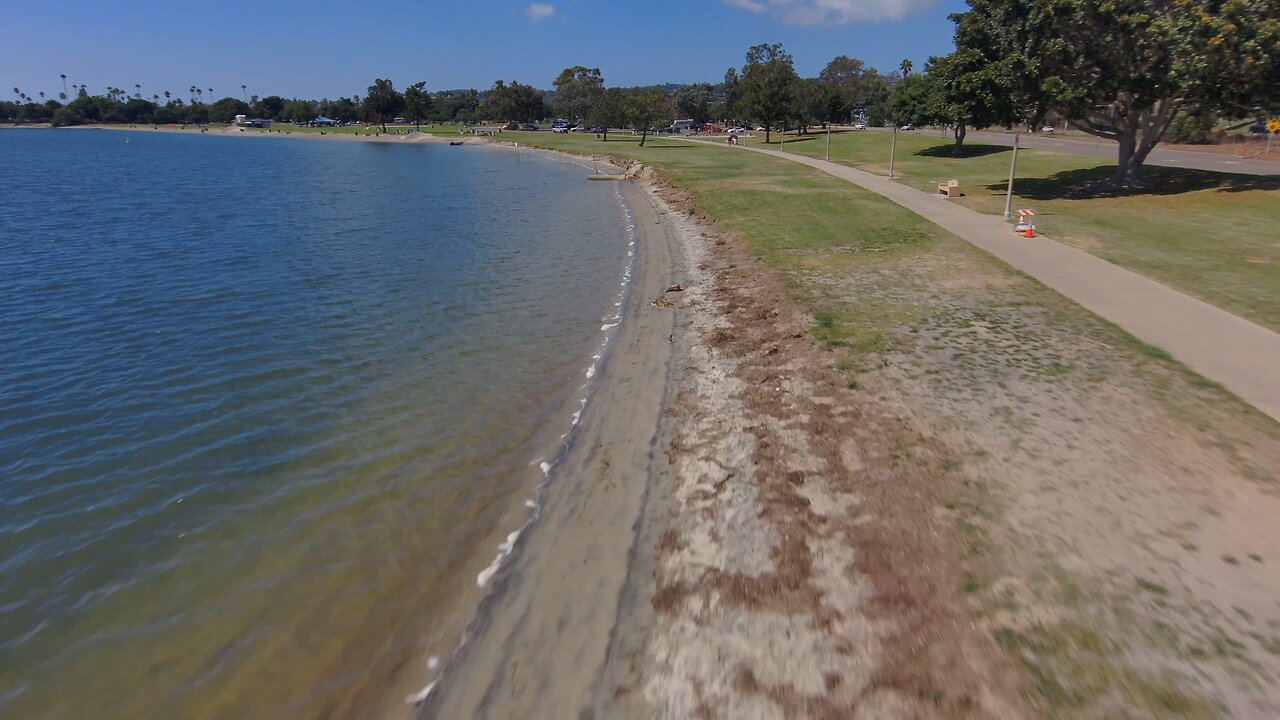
(540, 643)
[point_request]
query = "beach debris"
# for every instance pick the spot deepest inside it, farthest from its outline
(675, 288)
(662, 302)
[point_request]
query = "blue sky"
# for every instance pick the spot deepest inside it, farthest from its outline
(331, 48)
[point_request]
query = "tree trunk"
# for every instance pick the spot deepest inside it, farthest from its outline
(643, 135)
(1125, 169)
(1136, 132)
(767, 128)
(606, 134)
(961, 131)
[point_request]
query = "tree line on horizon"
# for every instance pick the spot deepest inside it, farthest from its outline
(1127, 70)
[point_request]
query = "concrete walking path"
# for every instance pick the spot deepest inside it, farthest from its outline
(1240, 355)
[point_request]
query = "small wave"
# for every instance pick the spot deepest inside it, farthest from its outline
(504, 549)
(421, 695)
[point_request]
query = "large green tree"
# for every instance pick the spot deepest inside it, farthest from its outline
(1121, 69)
(646, 108)
(912, 100)
(226, 110)
(845, 77)
(578, 88)
(271, 107)
(968, 90)
(417, 102)
(768, 85)
(694, 102)
(612, 110)
(732, 85)
(813, 104)
(516, 102)
(382, 103)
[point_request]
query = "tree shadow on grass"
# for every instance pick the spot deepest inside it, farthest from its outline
(966, 151)
(1084, 184)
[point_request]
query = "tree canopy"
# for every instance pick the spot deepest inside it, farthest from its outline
(517, 102)
(417, 102)
(382, 103)
(1121, 69)
(578, 88)
(611, 110)
(768, 85)
(647, 107)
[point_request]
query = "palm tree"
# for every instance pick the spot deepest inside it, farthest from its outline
(192, 91)
(200, 93)
(64, 84)
(166, 97)
(244, 90)
(137, 90)
(906, 67)
(41, 96)
(210, 94)
(84, 89)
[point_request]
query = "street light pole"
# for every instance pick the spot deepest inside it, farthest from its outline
(893, 150)
(1013, 168)
(829, 142)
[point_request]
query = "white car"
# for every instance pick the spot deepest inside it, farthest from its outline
(1047, 129)
(860, 126)
(560, 129)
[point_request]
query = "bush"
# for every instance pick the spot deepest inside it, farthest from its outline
(64, 116)
(1189, 129)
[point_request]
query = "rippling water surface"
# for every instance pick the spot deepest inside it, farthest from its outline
(264, 401)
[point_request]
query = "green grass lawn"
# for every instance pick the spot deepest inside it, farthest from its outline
(781, 208)
(1213, 235)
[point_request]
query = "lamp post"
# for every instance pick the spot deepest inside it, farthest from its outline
(1013, 169)
(893, 150)
(828, 141)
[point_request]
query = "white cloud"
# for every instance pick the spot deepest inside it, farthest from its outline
(833, 12)
(537, 12)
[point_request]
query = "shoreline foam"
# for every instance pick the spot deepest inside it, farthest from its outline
(558, 595)
(595, 376)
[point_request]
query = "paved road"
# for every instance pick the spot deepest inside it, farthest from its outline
(1238, 354)
(1105, 150)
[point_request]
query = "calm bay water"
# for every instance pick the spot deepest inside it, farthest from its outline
(264, 401)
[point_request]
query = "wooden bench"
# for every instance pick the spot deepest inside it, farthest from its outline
(951, 188)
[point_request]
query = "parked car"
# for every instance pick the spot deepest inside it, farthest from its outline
(860, 126)
(1047, 129)
(908, 126)
(559, 128)
(597, 129)
(528, 126)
